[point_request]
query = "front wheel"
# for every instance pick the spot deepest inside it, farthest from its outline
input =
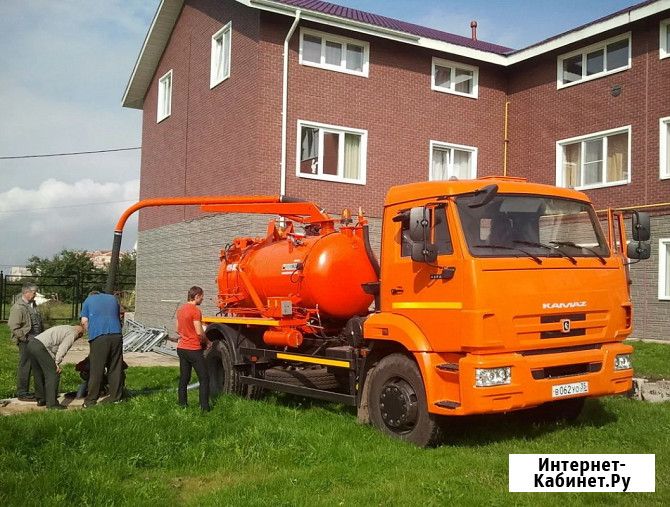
(397, 401)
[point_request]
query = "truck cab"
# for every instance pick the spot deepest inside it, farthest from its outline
(507, 295)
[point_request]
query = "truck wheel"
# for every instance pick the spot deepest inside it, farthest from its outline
(223, 376)
(397, 402)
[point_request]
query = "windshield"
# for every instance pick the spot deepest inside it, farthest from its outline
(533, 226)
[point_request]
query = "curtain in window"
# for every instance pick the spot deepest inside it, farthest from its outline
(442, 76)
(462, 164)
(352, 156)
(440, 169)
(333, 53)
(309, 143)
(667, 269)
(617, 157)
(571, 165)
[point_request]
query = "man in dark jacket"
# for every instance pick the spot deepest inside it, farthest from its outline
(25, 323)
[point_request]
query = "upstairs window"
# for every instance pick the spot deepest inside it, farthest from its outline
(664, 143)
(332, 52)
(593, 161)
(664, 41)
(220, 66)
(456, 78)
(164, 108)
(608, 57)
(331, 153)
(452, 160)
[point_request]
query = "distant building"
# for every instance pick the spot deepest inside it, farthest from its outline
(102, 258)
(18, 272)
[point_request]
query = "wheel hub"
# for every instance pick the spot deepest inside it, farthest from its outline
(399, 407)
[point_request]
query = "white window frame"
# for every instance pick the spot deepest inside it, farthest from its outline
(339, 130)
(164, 104)
(327, 37)
(663, 49)
(449, 146)
(218, 58)
(560, 176)
(455, 66)
(663, 268)
(584, 51)
(664, 129)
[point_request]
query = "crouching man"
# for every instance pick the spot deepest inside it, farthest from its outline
(46, 352)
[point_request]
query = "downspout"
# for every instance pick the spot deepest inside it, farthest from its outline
(284, 110)
(506, 139)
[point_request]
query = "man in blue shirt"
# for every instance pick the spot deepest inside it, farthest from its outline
(101, 317)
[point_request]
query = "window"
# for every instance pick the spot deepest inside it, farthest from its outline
(451, 160)
(664, 42)
(331, 52)
(665, 146)
(595, 61)
(664, 268)
(220, 67)
(331, 153)
(456, 78)
(597, 160)
(164, 107)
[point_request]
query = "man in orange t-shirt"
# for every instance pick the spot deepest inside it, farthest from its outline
(192, 341)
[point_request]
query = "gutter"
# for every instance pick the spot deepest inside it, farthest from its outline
(284, 107)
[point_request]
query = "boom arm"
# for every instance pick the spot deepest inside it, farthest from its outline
(289, 207)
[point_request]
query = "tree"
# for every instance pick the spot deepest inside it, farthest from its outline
(59, 275)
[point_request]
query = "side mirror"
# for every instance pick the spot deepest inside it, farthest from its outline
(641, 251)
(422, 252)
(418, 224)
(641, 226)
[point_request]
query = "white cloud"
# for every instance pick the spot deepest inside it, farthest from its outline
(59, 215)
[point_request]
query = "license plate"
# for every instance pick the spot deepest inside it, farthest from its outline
(569, 389)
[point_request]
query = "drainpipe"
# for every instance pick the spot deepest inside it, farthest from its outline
(284, 110)
(506, 139)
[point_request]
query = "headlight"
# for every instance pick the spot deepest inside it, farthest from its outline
(485, 377)
(623, 362)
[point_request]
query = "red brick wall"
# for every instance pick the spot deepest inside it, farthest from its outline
(208, 145)
(228, 140)
(540, 115)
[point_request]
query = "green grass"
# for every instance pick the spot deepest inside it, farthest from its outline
(651, 360)
(291, 451)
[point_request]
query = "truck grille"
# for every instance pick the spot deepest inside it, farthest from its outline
(570, 370)
(572, 317)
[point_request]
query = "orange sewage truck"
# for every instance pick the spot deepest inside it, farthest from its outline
(491, 295)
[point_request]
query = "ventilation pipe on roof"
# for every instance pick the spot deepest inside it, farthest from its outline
(284, 110)
(473, 25)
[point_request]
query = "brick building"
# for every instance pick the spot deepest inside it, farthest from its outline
(359, 102)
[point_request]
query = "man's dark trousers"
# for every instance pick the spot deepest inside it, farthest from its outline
(45, 373)
(23, 370)
(106, 351)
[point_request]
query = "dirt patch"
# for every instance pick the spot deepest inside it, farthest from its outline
(79, 351)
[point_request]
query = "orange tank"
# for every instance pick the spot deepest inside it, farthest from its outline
(324, 272)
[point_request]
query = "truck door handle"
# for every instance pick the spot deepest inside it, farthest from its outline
(397, 290)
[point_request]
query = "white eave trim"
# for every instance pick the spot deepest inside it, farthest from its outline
(591, 30)
(151, 53)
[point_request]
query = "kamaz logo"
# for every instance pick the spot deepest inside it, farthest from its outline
(572, 304)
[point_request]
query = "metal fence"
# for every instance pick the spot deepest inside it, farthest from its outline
(68, 290)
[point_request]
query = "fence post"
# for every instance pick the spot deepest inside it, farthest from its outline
(2, 295)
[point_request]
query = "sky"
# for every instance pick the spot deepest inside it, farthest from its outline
(65, 64)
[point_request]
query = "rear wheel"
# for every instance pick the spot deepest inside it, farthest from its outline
(397, 402)
(223, 376)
